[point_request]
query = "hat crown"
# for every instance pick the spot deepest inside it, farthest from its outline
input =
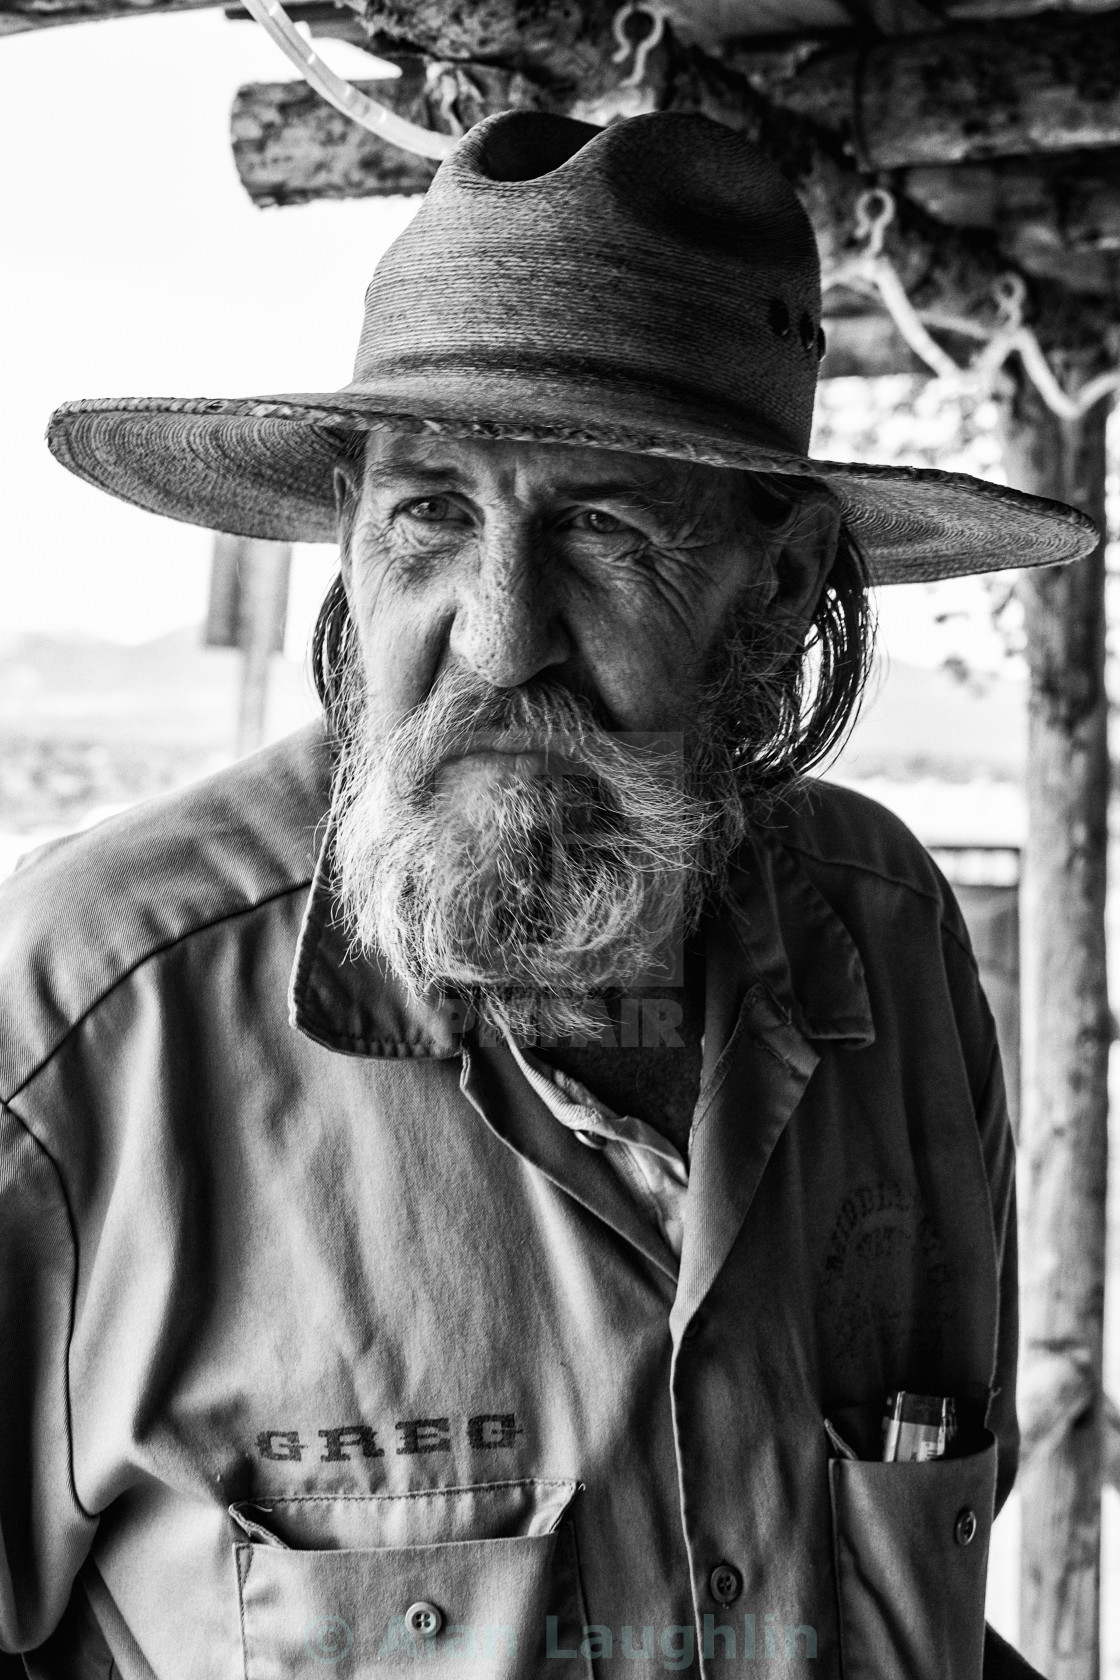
(660, 262)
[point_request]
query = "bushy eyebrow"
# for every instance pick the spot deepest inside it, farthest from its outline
(607, 490)
(670, 499)
(388, 472)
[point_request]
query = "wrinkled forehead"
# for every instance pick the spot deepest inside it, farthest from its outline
(497, 464)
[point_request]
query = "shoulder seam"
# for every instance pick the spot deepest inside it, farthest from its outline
(133, 968)
(862, 866)
(892, 880)
(73, 1224)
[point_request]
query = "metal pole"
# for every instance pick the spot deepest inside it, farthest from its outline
(247, 609)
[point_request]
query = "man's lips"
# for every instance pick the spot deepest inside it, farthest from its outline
(511, 758)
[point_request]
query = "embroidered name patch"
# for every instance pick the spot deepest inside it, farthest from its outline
(485, 1432)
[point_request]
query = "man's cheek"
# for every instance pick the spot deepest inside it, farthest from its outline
(645, 687)
(402, 650)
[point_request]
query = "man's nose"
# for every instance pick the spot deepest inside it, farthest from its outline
(507, 626)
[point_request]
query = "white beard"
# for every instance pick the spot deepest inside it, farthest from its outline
(527, 894)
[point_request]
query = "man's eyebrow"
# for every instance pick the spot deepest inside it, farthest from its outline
(649, 499)
(658, 501)
(386, 472)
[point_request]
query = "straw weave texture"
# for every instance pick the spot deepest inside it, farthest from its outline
(651, 287)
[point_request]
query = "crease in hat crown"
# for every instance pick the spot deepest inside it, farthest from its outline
(645, 279)
(653, 286)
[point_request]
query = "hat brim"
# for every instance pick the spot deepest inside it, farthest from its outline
(264, 467)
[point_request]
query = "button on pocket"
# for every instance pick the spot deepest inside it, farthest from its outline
(423, 1618)
(964, 1529)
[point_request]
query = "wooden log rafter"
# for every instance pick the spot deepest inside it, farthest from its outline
(289, 148)
(1051, 85)
(19, 16)
(1057, 217)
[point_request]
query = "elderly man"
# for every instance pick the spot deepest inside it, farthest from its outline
(474, 1174)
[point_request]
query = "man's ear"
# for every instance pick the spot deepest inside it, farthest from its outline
(345, 485)
(801, 561)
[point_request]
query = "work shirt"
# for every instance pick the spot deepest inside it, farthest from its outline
(327, 1347)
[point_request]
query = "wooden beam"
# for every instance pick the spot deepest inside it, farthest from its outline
(977, 91)
(290, 147)
(949, 270)
(19, 16)
(1056, 216)
(1066, 1036)
(567, 48)
(971, 10)
(1075, 196)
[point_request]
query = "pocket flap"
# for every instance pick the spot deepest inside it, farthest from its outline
(486, 1511)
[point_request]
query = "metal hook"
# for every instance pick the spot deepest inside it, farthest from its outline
(874, 213)
(1010, 293)
(641, 49)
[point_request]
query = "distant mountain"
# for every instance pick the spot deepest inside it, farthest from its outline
(917, 724)
(171, 691)
(86, 724)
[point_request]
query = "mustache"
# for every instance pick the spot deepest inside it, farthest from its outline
(462, 714)
(546, 887)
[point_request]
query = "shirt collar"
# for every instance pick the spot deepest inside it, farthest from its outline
(796, 944)
(776, 930)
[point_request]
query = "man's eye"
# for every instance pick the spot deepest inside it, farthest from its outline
(593, 519)
(431, 510)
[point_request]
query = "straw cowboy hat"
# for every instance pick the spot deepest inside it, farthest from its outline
(653, 286)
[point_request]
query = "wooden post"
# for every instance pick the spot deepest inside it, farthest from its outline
(1066, 1030)
(247, 609)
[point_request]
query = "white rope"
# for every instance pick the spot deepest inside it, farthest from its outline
(871, 269)
(1014, 335)
(874, 214)
(367, 113)
(656, 14)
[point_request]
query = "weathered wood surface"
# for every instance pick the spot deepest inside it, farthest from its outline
(986, 9)
(18, 16)
(984, 91)
(1054, 216)
(703, 20)
(290, 147)
(566, 46)
(1066, 1033)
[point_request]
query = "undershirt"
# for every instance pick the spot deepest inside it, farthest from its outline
(652, 1169)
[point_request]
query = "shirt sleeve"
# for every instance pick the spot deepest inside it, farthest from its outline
(44, 1532)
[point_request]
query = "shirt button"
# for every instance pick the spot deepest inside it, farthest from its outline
(726, 1583)
(964, 1529)
(424, 1618)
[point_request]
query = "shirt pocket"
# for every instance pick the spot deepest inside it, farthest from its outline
(911, 1550)
(358, 1586)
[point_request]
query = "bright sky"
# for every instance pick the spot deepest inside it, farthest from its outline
(132, 263)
